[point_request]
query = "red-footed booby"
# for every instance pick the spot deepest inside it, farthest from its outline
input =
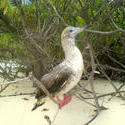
(67, 74)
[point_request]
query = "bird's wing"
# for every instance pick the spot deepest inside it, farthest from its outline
(57, 77)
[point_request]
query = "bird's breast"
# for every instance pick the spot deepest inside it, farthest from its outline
(76, 60)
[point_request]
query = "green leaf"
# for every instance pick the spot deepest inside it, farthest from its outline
(80, 21)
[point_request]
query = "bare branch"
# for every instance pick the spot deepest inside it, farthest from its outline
(6, 20)
(114, 60)
(102, 70)
(92, 74)
(57, 12)
(38, 16)
(100, 32)
(83, 99)
(115, 25)
(112, 68)
(23, 16)
(11, 82)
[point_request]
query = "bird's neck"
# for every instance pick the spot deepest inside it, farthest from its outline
(72, 53)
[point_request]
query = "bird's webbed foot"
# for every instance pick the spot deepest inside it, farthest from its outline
(65, 101)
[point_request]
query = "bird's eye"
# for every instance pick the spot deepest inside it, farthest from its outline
(71, 31)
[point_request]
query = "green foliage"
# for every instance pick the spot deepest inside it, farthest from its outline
(44, 26)
(10, 47)
(4, 4)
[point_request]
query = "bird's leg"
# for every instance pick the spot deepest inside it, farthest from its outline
(65, 101)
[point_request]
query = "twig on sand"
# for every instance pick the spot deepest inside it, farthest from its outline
(47, 119)
(54, 118)
(11, 82)
(96, 114)
(3, 88)
(82, 99)
(51, 122)
(110, 81)
(100, 96)
(93, 118)
(17, 94)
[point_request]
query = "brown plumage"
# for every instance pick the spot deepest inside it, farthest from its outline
(55, 80)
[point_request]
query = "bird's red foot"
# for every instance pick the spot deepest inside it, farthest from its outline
(63, 102)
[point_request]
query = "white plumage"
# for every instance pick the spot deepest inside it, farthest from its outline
(67, 74)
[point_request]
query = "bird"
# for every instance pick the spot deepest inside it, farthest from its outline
(67, 74)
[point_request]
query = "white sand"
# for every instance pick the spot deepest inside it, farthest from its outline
(17, 111)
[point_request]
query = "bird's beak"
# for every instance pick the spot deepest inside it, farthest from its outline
(79, 29)
(85, 27)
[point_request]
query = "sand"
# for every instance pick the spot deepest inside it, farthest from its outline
(16, 110)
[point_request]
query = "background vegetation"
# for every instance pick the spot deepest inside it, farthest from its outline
(30, 35)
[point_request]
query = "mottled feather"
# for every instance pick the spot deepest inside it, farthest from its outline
(54, 81)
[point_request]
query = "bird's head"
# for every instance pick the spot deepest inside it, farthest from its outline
(71, 32)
